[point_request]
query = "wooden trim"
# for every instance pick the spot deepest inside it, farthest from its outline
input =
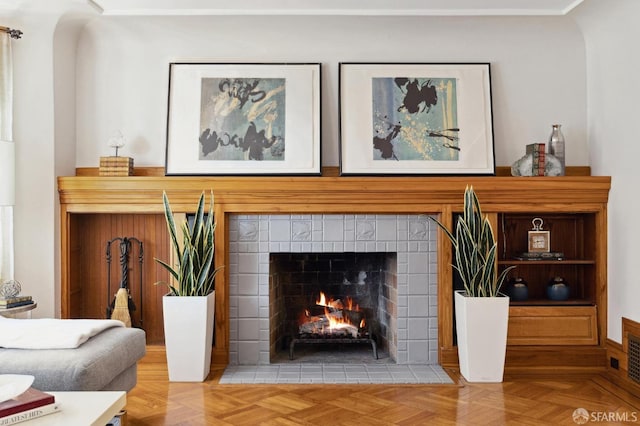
(536, 360)
(326, 171)
(629, 327)
(601, 275)
(335, 194)
(616, 350)
(620, 352)
(521, 359)
(65, 243)
(445, 295)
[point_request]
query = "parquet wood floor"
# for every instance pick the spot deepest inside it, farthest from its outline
(516, 401)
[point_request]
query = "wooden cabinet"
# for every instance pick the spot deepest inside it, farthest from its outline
(539, 320)
(544, 336)
(552, 325)
(571, 234)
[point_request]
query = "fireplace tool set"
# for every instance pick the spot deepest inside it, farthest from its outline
(122, 305)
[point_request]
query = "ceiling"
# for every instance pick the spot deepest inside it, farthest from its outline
(337, 7)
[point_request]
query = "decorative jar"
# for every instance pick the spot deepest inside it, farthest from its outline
(517, 289)
(558, 289)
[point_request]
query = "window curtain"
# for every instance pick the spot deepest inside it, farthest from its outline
(7, 160)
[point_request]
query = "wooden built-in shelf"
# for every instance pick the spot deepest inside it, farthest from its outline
(547, 302)
(547, 262)
(93, 207)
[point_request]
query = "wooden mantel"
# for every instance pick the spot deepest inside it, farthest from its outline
(322, 194)
(325, 194)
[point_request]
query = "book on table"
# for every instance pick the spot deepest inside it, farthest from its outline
(28, 400)
(4, 302)
(17, 304)
(31, 414)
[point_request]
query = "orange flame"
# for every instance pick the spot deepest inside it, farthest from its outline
(331, 303)
(350, 305)
(334, 319)
(338, 322)
(337, 304)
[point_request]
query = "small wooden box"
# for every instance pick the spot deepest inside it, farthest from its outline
(116, 166)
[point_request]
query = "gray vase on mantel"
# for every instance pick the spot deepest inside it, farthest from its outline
(556, 145)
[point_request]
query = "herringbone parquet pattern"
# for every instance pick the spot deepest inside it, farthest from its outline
(517, 401)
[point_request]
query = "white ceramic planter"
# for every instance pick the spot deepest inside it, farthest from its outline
(188, 335)
(481, 326)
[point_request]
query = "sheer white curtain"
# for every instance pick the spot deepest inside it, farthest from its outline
(7, 159)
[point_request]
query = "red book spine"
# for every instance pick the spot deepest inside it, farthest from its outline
(541, 162)
(538, 157)
(31, 398)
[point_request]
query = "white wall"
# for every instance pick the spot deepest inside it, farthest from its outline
(120, 70)
(44, 149)
(537, 65)
(611, 34)
(35, 209)
(65, 40)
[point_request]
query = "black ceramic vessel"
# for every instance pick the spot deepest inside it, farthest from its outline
(517, 289)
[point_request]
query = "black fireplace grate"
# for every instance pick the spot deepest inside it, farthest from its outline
(332, 340)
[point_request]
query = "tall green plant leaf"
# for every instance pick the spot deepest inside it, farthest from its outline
(475, 249)
(194, 274)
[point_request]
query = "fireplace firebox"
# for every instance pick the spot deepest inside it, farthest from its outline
(331, 299)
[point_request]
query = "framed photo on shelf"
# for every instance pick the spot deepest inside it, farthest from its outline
(243, 119)
(415, 119)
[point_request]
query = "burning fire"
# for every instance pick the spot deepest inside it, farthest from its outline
(337, 304)
(335, 321)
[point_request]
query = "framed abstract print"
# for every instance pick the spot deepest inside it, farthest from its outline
(243, 119)
(415, 119)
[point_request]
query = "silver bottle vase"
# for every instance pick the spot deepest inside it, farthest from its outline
(556, 145)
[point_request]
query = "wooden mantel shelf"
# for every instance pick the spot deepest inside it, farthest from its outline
(324, 194)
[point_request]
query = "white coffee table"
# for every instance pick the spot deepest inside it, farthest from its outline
(83, 408)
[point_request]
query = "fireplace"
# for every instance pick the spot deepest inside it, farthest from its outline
(332, 299)
(402, 286)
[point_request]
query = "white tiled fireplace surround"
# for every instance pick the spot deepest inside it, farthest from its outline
(412, 237)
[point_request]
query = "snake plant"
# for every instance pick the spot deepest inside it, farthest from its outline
(193, 274)
(475, 250)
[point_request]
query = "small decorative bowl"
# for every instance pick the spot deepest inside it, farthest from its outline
(12, 385)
